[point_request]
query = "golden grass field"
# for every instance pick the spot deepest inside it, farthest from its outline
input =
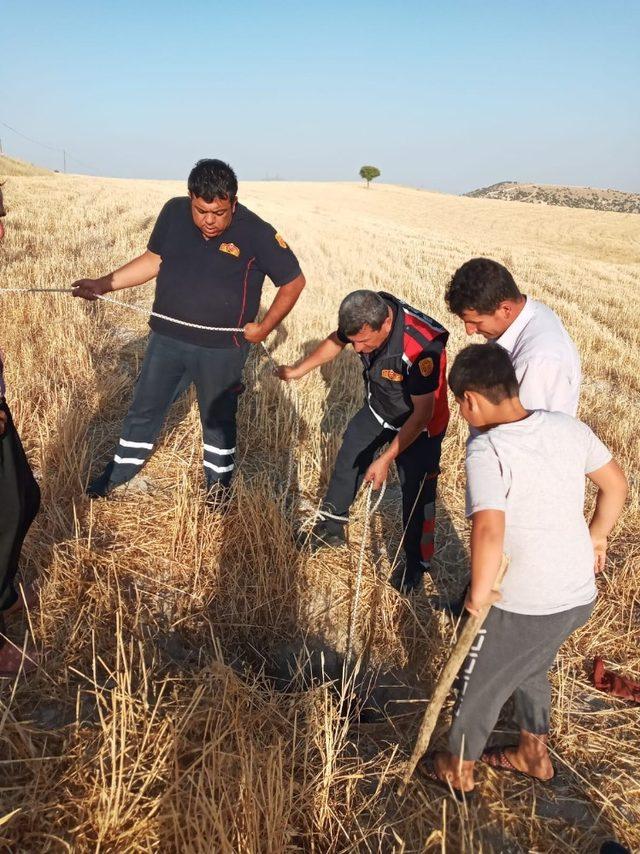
(153, 724)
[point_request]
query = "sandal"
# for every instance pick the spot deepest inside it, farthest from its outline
(497, 759)
(427, 768)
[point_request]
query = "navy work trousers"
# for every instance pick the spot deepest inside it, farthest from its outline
(169, 367)
(418, 468)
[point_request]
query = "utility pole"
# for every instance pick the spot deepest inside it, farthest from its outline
(64, 159)
(1, 145)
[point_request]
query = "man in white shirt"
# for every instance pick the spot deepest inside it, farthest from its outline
(486, 298)
(525, 497)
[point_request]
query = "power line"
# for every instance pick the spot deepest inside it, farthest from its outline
(29, 139)
(80, 163)
(65, 154)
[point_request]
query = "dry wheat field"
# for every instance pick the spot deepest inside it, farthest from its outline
(181, 704)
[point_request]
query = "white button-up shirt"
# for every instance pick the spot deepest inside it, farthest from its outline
(545, 359)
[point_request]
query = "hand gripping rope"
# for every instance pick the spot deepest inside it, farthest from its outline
(320, 514)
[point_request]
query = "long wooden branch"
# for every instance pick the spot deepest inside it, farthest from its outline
(449, 673)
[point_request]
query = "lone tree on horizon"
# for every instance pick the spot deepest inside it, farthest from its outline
(369, 173)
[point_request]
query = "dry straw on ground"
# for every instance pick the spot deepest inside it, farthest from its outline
(153, 724)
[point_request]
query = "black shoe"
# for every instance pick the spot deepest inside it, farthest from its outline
(101, 486)
(407, 580)
(324, 536)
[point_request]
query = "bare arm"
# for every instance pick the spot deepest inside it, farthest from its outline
(282, 304)
(423, 406)
(612, 493)
(142, 269)
(325, 352)
(487, 543)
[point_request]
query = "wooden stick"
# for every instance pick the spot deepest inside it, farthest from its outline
(449, 673)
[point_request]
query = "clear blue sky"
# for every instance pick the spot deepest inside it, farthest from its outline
(444, 95)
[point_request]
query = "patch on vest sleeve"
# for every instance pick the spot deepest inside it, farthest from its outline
(426, 366)
(394, 376)
(230, 249)
(281, 241)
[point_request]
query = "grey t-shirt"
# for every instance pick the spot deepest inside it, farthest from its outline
(534, 470)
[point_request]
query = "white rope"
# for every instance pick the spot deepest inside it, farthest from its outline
(140, 309)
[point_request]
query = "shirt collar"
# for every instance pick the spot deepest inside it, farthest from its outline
(509, 337)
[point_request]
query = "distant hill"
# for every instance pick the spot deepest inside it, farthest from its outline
(571, 197)
(9, 166)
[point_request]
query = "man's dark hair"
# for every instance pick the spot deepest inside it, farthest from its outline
(212, 179)
(485, 368)
(360, 307)
(480, 285)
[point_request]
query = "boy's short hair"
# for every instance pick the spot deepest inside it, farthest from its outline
(213, 179)
(480, 285)
(485, 368)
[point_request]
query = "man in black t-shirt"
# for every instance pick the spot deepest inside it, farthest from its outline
(210, 256)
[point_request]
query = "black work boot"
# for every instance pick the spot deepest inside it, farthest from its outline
(407, 579)
(102, 485)
(325, 534)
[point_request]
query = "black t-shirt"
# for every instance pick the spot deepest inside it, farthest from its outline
(216, 282)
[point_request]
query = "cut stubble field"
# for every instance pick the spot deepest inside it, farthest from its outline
(155, 722)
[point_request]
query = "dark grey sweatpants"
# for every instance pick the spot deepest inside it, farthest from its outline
(511, 656)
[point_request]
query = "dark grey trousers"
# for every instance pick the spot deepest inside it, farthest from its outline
(169, 367)
(418, 468)
(510, 657)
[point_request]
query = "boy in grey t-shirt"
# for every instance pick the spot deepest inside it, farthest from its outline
(525, 496)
